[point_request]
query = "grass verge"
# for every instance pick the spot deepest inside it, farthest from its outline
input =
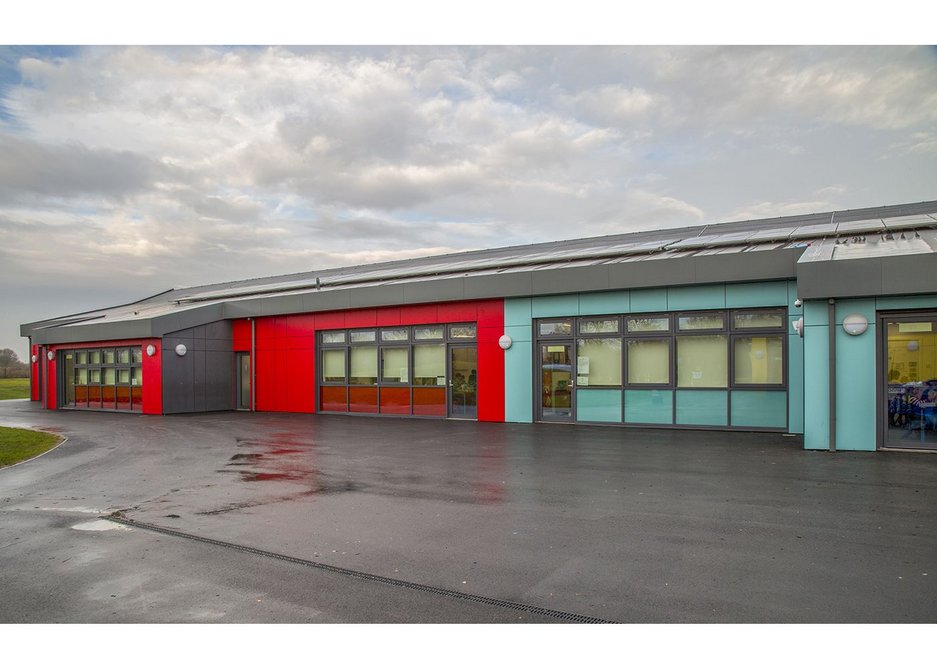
(17, 445)
(14, 388)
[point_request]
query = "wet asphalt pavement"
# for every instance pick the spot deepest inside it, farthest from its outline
(615, 524)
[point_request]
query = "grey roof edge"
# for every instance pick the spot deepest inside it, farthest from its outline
(26, 329)
(844, 215)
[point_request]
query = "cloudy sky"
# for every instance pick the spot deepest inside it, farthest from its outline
(128, 170)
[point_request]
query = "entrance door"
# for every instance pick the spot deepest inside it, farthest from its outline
(557, 371)
(463, 382)
(243, 381)
(910, 380)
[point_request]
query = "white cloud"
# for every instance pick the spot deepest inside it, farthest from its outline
(151, 167)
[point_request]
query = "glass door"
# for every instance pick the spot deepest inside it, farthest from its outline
(910, 374)
(243, 381)
(557, 371)
(463, 382)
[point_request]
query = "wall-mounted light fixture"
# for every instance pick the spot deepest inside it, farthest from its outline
(50, 355)
(35, 358)
(855, 324)
(150, 350)
(798, 303)
(181, 349)
(798, 326)
(505, 342)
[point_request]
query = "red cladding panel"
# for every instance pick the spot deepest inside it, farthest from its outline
(419, 315)
(265, 328)
(242, 335)
(490, 363)
(49, 381)
(456, 312)
(298, 382)
(301, 325)
(152, 378)
(330, 320)
(265, 375)
(361, 318)
(34, 374)
(395, 400)
(388, 316)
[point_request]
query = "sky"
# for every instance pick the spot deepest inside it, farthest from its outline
(127, 170)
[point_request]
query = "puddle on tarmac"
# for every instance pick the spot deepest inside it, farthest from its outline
(100, 525)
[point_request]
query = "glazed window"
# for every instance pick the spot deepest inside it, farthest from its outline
(598, 362)
(649, 362)
(759, 360)
(702, 361)
(649, 324)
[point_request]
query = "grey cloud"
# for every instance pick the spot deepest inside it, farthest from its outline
(70, 170)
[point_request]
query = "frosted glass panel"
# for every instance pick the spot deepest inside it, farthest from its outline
(395, 365)
(598, 362)
(708, 321)
(429, 364)
(363, 365)
(757, 320)
(702, 361)
(333, 366)
(649, 361)
(759, 360)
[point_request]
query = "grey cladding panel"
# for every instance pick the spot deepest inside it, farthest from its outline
(379, 295)
(203, 379)
(577, 279)
(513, 284)
(449, 289)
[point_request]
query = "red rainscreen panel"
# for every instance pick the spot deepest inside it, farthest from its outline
(81, 396)
(94, 396)
(123, 398)
(429, 401)
(136, 398)
(395, 400)
(108, 397)
(362, 399)
(332, 399)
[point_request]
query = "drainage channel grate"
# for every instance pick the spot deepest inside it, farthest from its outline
(511, 605)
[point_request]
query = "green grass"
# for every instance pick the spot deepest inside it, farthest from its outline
(14, 388)
(19, 444)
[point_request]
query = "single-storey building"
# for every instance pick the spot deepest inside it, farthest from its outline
(823, 325)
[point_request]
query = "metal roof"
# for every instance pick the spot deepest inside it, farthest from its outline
(657, 246)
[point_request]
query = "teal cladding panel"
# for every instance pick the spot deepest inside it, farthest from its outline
(649, 406)
(792, 297)
(519, 332)
(702, 407)
(744, 295)
(653, 299)
(855, 379)
(518, 373)
(816, 386)
(555, 305)
(604, 303)
(598, 405)
(759, 408)
(795, 383)
(517, 311)
(696, 297)
(815, 313)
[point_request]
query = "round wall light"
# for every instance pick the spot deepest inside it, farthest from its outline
(35, 358)
(798, 326)
(50, 355)
(181, 349)
(855, 324)
(505, 341)
(150, 350)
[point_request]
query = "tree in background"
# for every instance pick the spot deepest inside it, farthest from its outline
(10, 365)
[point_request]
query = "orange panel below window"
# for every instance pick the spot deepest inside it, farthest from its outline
(395, 400)
(332, 399)
(429, 401)
(362, 399)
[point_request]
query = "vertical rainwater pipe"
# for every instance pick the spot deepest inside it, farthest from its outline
(253, 364)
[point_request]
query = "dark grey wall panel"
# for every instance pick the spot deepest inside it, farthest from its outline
(134, 329)
(573, 279)
(379, 295)
(202, 379)
(508, 284)
(445, 289)
(751, 266)
(868, 277)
